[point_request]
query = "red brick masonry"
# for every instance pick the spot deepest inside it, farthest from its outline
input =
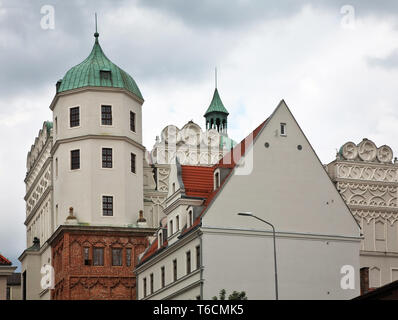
(76, 281)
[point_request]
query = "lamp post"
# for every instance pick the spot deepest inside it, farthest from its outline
(249, 214)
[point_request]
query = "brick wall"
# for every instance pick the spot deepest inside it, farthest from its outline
(76, 281)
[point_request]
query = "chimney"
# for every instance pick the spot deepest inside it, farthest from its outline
(141, 220)
(364, 274)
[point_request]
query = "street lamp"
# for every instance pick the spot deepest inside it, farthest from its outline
(249, 214)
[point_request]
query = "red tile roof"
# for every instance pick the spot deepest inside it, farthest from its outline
(4, 261)
(198, 182)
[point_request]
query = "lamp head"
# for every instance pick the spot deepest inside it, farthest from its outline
(246, 214)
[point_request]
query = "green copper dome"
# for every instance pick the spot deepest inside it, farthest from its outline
(216, 104)
(97, 71)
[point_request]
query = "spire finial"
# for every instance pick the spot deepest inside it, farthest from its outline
(215, 76)
(96, 34)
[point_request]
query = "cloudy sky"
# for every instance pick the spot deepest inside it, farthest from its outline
(335, 66)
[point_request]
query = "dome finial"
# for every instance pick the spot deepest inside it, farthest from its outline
(216, 76)
(96, 34)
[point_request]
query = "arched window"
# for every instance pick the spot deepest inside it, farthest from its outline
(216, 180)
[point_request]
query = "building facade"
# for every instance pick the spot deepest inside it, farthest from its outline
(203, 245)
(6, 270)
(367, 178)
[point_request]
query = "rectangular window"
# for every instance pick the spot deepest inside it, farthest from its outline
(178, 223)
(197, 257)
(175, 269)
(8, 293)
(188, 262)
(151, 282)
(56, 167)
(128, 257)
(86, 256)
(116, 257)
(107, 205)
(75, 159)
(74, 117)
(145, 293)
(283, 129)
(98, 256)
(106, 115)
(171, 227)
(106, 157)
(163, 277)
(132, 163)
(132, 121)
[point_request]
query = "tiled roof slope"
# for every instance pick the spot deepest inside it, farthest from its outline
(4, 261)
(198, 182)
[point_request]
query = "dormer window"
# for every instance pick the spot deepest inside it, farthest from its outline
(216, 180)
(105, 74)
(190, 217)
(283, 129)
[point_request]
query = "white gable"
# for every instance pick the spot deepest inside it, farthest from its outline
(287, 186)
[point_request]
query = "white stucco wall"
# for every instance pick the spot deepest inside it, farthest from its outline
(307, 268)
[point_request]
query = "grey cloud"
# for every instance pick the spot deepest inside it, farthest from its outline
(389, 62)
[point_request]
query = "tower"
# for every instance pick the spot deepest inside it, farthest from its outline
(85, 187)
(216, 114)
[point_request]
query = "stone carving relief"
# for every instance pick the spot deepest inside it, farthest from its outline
(191, 145)
(369, 215)
(367, 151)
(368, 195)
(370, 173)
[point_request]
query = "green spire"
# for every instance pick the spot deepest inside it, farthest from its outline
(98, 71)
(216, 104)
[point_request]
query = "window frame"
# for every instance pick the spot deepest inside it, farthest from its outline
(101, 258)
(104, 119)
(71, 120)
(188, 261)
(102, 204)
(163, 276)
(175, 270)
(282, 129)
(133, 122)
(198, 254)
(72, 159)
(133, 163)
(106, 161)
(120, 257)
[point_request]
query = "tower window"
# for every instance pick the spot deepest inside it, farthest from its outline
(283, 129)
(190, 218)
(116, 257)
(74, 159)
(132, 121)
(74, 117)
(133, 162)
(98, 256)
(107, 205)
(106, 115)
(106, 157)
